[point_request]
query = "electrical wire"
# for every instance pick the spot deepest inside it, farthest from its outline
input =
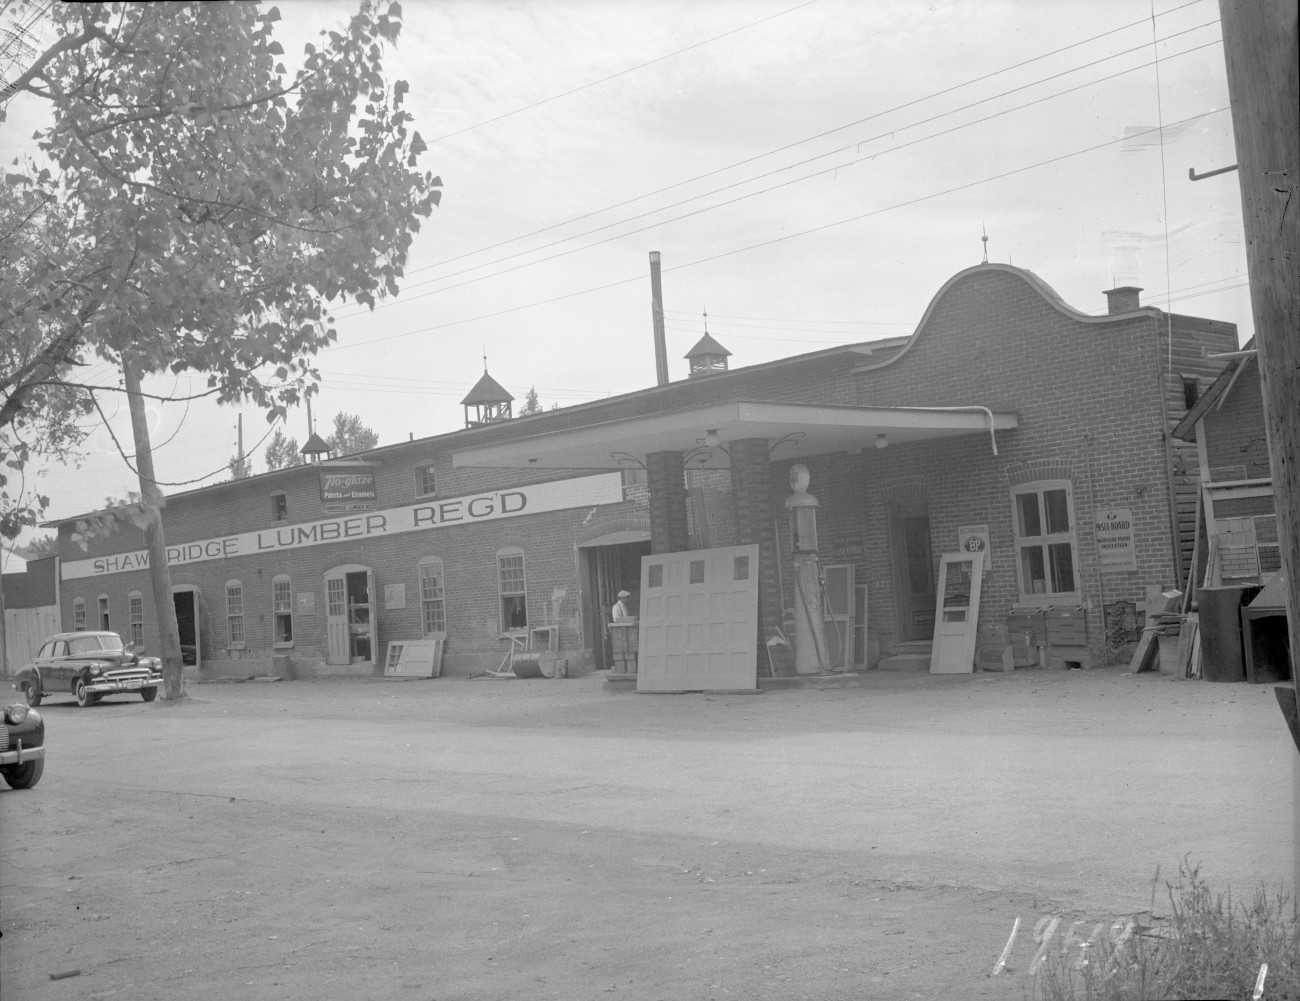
(809, 139)
(630, 69)
(779, 170)
(765, 243)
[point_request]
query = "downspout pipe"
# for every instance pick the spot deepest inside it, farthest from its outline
(984, 410)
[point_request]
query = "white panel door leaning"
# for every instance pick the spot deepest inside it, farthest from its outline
(956, 613)
(699, 621)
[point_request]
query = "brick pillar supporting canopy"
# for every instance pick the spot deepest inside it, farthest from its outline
(752, 493)
(666, 477)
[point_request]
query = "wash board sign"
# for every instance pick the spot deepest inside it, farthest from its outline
(1115, 548)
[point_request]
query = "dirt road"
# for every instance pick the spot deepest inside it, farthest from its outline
(485, 839)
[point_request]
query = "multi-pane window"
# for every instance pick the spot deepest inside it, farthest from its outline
(433, 609)
(282, 608)
(103, 612)
(235, 613)
(426, 483)
(512, 586)
(1044, 539)
(79, 614)
(135, 604)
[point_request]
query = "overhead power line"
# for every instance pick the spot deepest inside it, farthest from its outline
(781, 149)
(630, 69)
(764, 243)
(783, 170)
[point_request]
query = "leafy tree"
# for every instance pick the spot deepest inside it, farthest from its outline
(241, 467)
(282, 452)
(42, 546)
(532, 405)
(350, 435)
(207, 205)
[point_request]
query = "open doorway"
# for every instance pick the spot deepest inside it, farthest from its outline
(609, 569)
(349, 618)
(909, 543)
(186, 602)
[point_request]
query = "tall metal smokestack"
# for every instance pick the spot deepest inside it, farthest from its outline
(657, 313)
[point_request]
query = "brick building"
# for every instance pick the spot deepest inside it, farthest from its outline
(1008, 421)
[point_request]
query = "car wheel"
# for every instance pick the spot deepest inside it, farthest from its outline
(84, 698)
(26, 775)
(32, 693)
(148, 694)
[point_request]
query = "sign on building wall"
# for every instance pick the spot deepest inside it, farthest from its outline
(535, 498)
(347, 487)
(394, 596)
(972, 539)
(1115, 549)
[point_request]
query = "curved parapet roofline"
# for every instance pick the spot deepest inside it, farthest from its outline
(1048, 293)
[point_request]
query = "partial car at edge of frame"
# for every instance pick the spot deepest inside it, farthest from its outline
(22, 746)
(88, 666)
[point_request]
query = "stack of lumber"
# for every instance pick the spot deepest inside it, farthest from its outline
(1162, 619)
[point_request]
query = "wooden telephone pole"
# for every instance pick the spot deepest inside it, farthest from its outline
(1261, 45)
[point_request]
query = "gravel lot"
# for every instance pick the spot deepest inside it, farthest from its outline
(456, 839)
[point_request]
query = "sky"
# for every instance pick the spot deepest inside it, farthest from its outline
(812, 172)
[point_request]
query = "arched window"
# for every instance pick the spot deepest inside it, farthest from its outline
(512, 585)
(235, 614)
(79, 614)
(433, 606)
(282, 609)
(135, 605)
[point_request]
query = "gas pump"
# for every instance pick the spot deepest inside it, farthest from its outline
(809, 645)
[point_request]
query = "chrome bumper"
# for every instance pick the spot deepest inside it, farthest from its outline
(122, 685)
(20, 754)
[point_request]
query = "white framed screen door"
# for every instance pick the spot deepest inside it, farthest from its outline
(956, 613)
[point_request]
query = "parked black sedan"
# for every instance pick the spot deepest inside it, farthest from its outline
(22, 746)
(89, 666)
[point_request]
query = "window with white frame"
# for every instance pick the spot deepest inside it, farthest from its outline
(426, 481)
(279, 506)
(1043, 516)
(79, 614)
(282, 609)
(512, 585)
(103, 612)
(135, 605)
(235, 613)
(433, 609)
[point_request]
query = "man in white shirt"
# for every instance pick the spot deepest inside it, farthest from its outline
(621, 610)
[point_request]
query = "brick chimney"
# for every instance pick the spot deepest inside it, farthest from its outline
(1123, 299)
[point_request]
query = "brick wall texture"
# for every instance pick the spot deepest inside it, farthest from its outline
(1095, 399)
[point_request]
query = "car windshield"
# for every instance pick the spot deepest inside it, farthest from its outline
(90, 644)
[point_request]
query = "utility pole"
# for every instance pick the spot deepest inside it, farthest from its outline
(1261, 46)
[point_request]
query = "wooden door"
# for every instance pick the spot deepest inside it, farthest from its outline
(699, 620)
(336, 618)
(837, 612)
(913, 574)
(956, 613)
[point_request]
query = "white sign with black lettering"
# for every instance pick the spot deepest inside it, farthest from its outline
(1115, 549)
(535, 498)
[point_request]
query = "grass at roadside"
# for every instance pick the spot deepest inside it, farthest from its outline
(1206, 946)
